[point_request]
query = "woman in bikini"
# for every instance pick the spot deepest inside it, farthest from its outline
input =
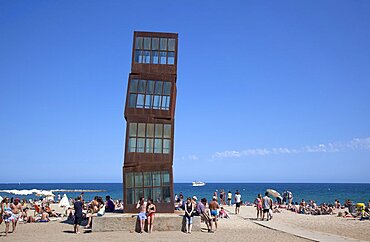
(7, 215)
(150, 210)
(258, 203)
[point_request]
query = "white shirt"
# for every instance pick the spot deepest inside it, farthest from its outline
(238, 198)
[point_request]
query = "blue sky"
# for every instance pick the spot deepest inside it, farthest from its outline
(268, 91)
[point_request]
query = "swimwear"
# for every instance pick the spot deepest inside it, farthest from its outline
(237, 205)
(8, 215)
(214, 212)
(142, 216)
(151, 214)
(43, 221)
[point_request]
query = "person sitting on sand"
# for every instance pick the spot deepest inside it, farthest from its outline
(223, 213)
(150, 209)
(44, 217)
(141, 206)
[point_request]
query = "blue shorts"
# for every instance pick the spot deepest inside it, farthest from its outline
(142, 216)
(214, 212)
(189, 220)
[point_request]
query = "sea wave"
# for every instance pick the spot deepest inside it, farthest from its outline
(38, 192)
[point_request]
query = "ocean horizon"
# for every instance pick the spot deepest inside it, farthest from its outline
(319, 192)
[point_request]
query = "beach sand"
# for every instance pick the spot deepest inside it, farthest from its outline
(238, 228)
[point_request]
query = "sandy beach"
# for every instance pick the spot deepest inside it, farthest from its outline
(240, 227)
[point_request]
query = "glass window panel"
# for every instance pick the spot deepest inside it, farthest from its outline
(167, 131)
(132, 129)
(157, 195)
(139, 43)
(132, 145)
(148, 101)
(158, 130)
(171, 44)
(140, 145)
(149, 146)
(167, 88)
(158, 146)
(150, 87)
(158, 87)
(138, 56)
(138, 194)
(146, 57)
(155, 43)
(140, 101)
(130, 196)
(163, 44)
(147, 43)
(147, 179)
(171, 58)
(133, 85)
(165, 178)
(157, 102)
(129, 180)
(141, 130)
(166, 102)
(138, 179)
(166, 194)
(132, 101)
(166, 146)
(150, 130)
(141, 86)
(162, 57)
(156, 179)
(155, 57)
(148, 193)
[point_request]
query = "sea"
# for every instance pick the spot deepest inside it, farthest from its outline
(319, 192)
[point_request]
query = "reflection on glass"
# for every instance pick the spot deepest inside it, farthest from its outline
(156, 179)
(149, 146)
(155, 57)
(157, 102)
(147, 57)
(162, 57)
(138, 179)
(166, 194)
(171, 44)
(141, 130)
(158, 87)
(147, 43)
(140, 100)
(167, 131)
(141, 86)
(138, 194)
(155, 43)
(158, 146)
(132, 129)
(129, 180)
(163, 44)
(150, 87)
(138, 56)
(139, 43)
(165, 102)
(166, 178)
(150, 130)
(130, 196)
(171, 58)
(148, 101)
(132, 101)
(147, 179)
(133, 85)
(140, 145)
(148, 193)
(166, 146)
(158, 130)
(167, 88)
(132, 145)
(157, 195)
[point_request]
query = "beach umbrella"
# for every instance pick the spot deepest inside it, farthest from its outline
(64, 202)
(273, 193)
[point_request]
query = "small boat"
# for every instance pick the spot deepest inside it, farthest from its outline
(198, 184)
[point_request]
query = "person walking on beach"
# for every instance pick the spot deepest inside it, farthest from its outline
(141, 206)
(78, 214)
(150, 210)
(7, 214)
(267, 205)
(258, 203)
(238, 200)
(229, 196)
(189, 209)
(213, 207)
(17, 212)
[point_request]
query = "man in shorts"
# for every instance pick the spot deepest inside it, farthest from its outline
(201, 210)
(266, 205)
(238, 200)
(78, 214)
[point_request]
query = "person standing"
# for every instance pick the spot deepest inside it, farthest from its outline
(201, 210)
(213, 207)
(78, 214)
(7, 214)
(267, 205)
(229, 196)
(258, 203)
(238, 200)
(17, 212)
(150, 210)
(141, 206)
(189, 209)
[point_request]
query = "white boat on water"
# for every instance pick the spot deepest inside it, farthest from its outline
(198, 184)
